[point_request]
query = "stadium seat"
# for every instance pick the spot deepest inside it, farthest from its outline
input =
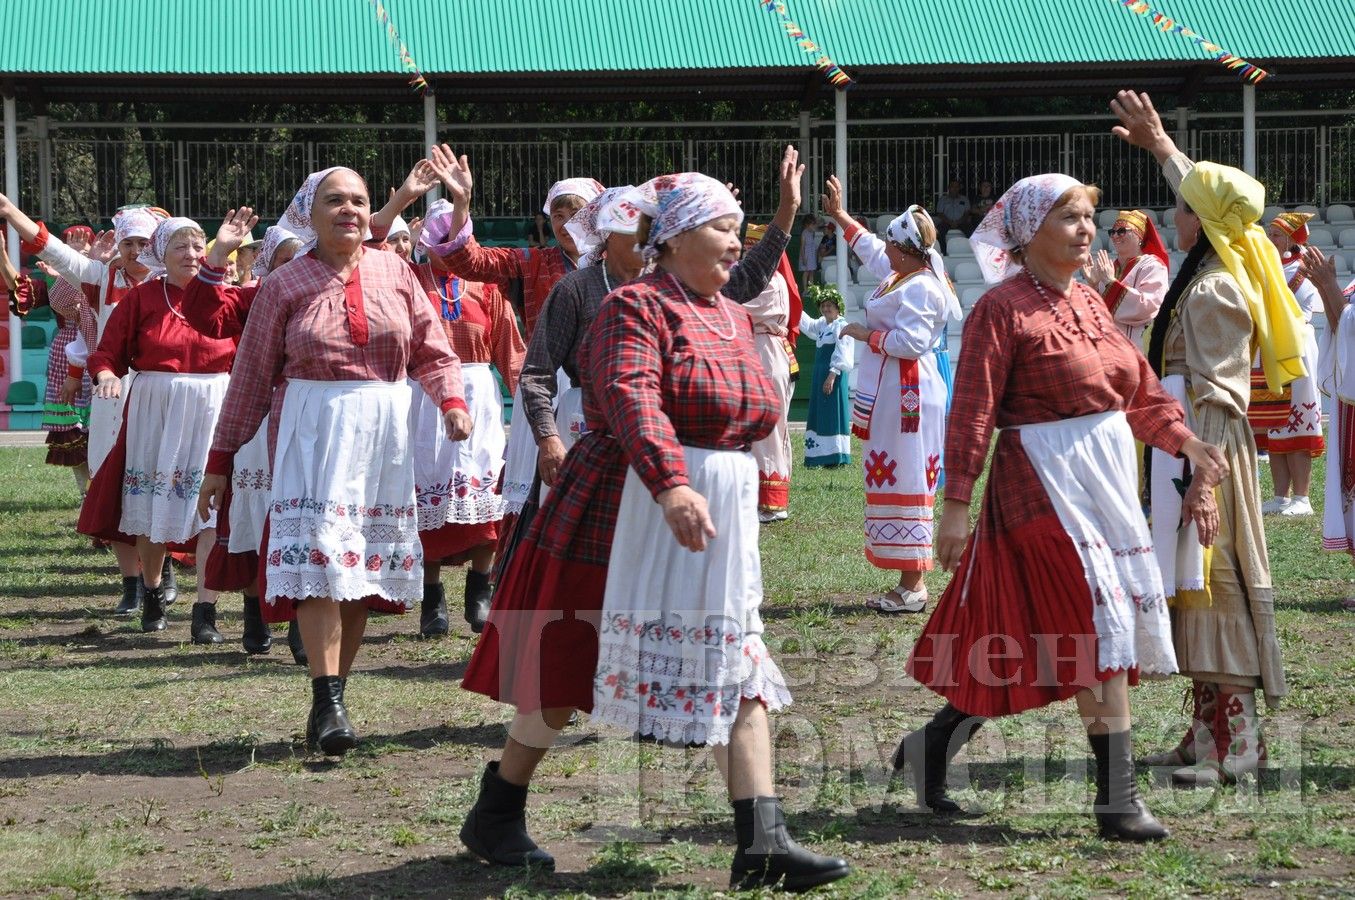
(1176, 259)
(959, 247)
(829, 267)
(22, 393)
(968, 272)
(1342, 266)
(1309, 208)
(1269, 213)
(1321, 237)
(1340, 213)
(970, 295)
(1106, 217)
(34, 337)
(882, 222)
(1346, 238)
(41, 314)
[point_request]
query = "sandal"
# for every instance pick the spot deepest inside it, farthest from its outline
(899, 601)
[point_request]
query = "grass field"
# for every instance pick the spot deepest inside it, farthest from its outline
(142, 765)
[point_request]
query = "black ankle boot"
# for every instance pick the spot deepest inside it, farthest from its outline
(496, 826)
(131, 596)
(766, 856)
(168, 583)
(478, 594)
(328, 729)
(257, 637)
(204, 625)
(153, 610)
(294, 644)
(433, 614)
(1120, 811)
(928, 752)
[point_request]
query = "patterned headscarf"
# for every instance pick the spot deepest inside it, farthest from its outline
(903, 230)
(681, 202)
(139, 222)
(587, 188)
(1150, 241)
(154, 254)
(297, 218)
(437, 221)
(607, 213)
(1294, 224)
(273, 238)
(1013, 221)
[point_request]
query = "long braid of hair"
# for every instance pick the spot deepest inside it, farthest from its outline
(1184, 276)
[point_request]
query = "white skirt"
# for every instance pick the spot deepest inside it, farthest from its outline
(105, 423)
(1180, 557)
(343, 521)
(519, 468)
(680, 640)
(170, 421)
(456, 481)
(251, 493)
(1088, 470)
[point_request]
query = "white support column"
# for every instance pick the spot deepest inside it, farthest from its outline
(16, 325)
(1249, 129)
(1183, 129)
(840, 169)
(430, 132)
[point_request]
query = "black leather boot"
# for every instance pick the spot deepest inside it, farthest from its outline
(928, 752)
(294, 644)
(168, 583)
(132, 589)
(204, 625)
(496, 826)
(257, 637)
(153, 610)
(1120, 811)
(328, 729)
(478, 594)
(433, 613)
(767, 856)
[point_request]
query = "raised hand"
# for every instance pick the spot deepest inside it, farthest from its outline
(1102, 269)
(105, 246)
(454, 173)
(1140, 124)
(420, 180)
(235, 227)
(791, 170)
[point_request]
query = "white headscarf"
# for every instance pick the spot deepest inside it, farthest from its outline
(587, 188)
(904, 230)
(607, 213)
(297, 218)
(1013, 221)
(154, 254)
(681, 202)
(134, 223)
(273, 238)
(397, 226)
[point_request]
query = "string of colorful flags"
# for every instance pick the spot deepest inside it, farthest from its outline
(830, 69)
(416, 81)
(1167, 25)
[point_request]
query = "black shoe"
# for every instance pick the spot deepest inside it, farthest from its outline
(928, 752)
(496, 826)
(153, 610)
(328, 729)
(766, 856)
(168, 583)
(204, 625)
(433, 614)
(132, 589)
(294, 643)
(478, 594)
(257, 637)
(1120, 811)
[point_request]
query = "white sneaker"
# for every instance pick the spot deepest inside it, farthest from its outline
(1299, 506)
(766, 517)
(1275, 505)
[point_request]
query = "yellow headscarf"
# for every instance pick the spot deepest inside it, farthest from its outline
(230, 256)
(1229, 203)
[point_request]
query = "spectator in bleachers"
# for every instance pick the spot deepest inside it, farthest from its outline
(539, 236)
(811, 238)
(952, 209)
(983, 202)
(1135, 283)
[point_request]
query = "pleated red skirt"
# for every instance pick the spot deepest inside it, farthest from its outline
(227, 571)
(453, 542)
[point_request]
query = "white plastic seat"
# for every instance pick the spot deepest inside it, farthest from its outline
(882, 222)
(1106, 217)
(1269, 213)
(1339, 214)
(959, 246)
(1309, 208)
(970, 294)
(1321, 237)
(829, 267)
(968, 271)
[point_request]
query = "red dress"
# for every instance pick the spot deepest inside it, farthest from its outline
(537, 271)
(1014, 630)
(540, 647)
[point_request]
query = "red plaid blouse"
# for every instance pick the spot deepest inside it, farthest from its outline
(537, 269)
(1020, 364)
(215, 308)
(657, 375)
(486, 331)
(377, 326)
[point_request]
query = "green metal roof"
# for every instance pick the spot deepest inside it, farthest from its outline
(461, 37)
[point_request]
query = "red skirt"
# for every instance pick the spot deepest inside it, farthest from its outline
(453, 543)
(227, 571)
(540, 645)
(1014, 631)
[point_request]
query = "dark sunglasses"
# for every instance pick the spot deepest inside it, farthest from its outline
(1116, 232)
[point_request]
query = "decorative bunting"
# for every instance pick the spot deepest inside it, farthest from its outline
(830, 69)
(416, 80)
(1167, 25)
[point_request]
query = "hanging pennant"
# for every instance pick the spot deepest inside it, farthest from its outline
(831, 71)
(416, 80)
(1167, 25)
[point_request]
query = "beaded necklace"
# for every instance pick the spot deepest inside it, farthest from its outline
(696, 307)
(164, 287)
(1077, 326)
(451, 306)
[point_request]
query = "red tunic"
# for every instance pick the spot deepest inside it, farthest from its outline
(657, 376)
(537, 269)
(1022, 598)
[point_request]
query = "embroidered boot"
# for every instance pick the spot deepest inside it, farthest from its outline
(496, 826)
(132, 589)
(1120, 811)
(153, 610)
(767, 856)
(433, 614)
(928, 752)
(294, 643)
(328, 729)
(1198, 741)
(257, 637)
(478, 594)
(1238, 748)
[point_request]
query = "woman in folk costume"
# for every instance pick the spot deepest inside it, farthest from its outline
(900, 408)
(217, 309)
(828, 438)
(104, 284)
(1294, 444)
(1060, 567)
(776, 327)
(1228, 304)
(457, 481)
(66, 421)
(147, 492)
(1135, 283)
(342, 327)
